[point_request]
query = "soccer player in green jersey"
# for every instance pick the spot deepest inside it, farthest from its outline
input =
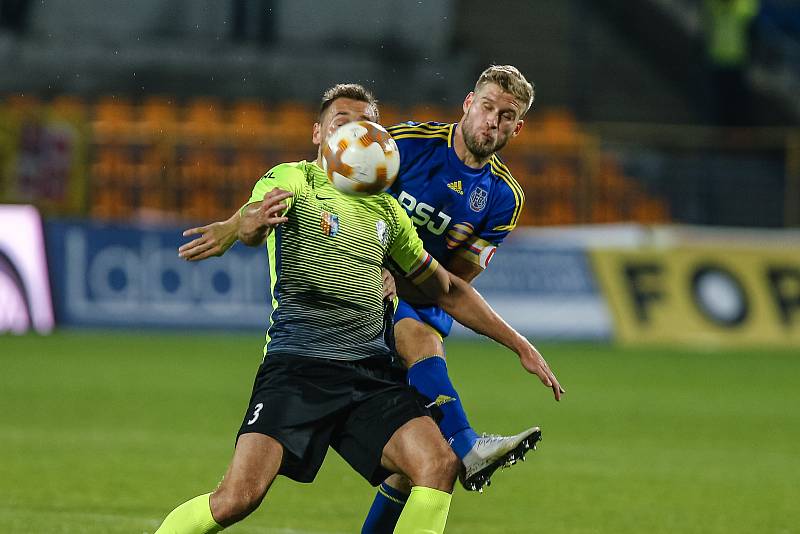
(326, 378)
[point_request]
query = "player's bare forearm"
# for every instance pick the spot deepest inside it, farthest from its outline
(470, 309)
(259, 218)
(213, 239)
(467, 306)
(412, 294)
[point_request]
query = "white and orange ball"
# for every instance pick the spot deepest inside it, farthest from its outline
(361, 158)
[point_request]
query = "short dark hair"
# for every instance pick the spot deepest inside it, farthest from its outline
(353, 91)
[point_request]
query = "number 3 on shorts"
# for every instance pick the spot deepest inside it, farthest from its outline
(256, 412)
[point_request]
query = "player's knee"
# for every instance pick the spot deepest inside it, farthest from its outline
(232, 504)
(415, 341)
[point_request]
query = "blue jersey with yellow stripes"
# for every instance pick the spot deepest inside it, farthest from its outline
(457, 210)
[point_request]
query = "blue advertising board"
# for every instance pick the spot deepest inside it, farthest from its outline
(545, 289)
(109, 275)
(114, 275)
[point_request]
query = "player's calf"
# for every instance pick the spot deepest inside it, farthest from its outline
(255, 465)
(231, 505)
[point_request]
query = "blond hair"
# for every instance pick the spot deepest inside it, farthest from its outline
(510, 80)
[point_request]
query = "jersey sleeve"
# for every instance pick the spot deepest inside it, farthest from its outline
(504, 211)
(406, 146)
(286, 176)
(407, 252)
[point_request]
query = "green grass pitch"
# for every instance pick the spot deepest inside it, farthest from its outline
(107, 432)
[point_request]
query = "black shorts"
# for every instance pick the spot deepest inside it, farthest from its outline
(307, 404)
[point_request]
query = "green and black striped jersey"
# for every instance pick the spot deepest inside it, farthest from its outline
(325, 265)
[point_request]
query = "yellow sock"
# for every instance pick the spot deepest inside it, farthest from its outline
(192, 517)
(425, 512)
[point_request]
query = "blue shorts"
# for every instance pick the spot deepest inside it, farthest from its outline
(433, 316)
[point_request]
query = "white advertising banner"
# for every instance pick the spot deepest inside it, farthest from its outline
(25, 302)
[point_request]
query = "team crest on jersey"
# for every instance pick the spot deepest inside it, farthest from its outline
(477, 199)
(383, 231)
(329, 222)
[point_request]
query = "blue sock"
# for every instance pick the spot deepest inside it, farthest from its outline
(385, 511)
(430, 378)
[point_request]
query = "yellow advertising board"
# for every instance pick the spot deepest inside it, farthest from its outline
(725, 296)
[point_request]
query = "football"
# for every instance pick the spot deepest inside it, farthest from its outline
(361, 158)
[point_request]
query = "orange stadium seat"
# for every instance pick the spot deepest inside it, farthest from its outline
(113, 118)
(430, 112)
(649, 210)
(391, 115)
(110, 203)
(113, 108)
(22, 104)
(111, 163)
(605, 211)
(69, 107)
(558, 212)
(557, 126)
(249, 122)
(158, 116)
(199, 167)
(247, 168)
(293, 122)
(203, 119)
(199, 204)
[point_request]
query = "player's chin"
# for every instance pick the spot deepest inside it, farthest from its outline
(480, 148)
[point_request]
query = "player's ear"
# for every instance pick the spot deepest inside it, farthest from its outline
(518, 128)
(315, 135)
(468, 101)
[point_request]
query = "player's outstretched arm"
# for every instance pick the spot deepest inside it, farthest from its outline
(214, 239)
(465, 270)
(259, 218)
(466, 305)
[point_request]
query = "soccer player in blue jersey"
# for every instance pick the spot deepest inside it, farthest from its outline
(327, 378)
(464, 202)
